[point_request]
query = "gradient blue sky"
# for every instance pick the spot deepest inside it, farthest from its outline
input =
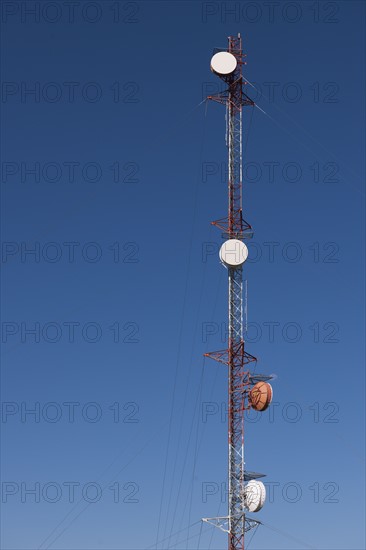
(145, 260)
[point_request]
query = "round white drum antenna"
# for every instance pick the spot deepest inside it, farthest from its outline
(233, 253)
(254, 495)
(223, 63)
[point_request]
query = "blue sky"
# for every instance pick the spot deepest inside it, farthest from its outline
(112, 170)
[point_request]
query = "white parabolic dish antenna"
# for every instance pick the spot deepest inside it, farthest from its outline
(254, 495)
(233, 253)
(223, 63)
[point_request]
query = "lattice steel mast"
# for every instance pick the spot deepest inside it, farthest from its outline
(233, 254)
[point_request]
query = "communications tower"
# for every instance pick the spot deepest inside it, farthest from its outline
(245, 388)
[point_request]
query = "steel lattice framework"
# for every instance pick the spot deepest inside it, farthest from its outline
(235, 356)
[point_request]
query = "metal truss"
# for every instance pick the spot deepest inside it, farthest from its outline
(223, 523)
(235, 227)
